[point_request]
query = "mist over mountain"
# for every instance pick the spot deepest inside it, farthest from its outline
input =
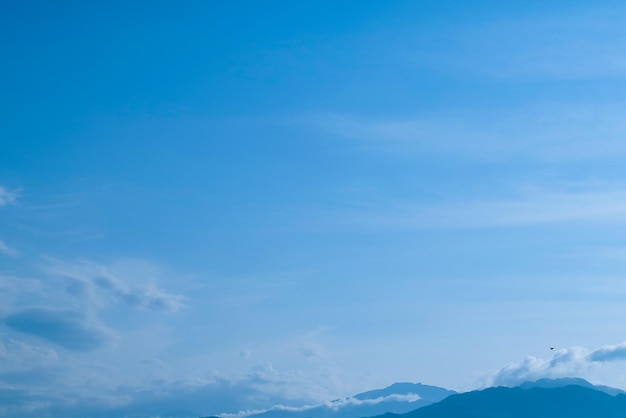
(397, 398)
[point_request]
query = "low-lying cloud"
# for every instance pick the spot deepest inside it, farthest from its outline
(609, 353)
(574, 361)
(334, 405)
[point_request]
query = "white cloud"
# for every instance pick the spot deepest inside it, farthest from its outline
(7, 197)
(334, 405)
(60, 347)
(6, 250)
(564, 363)
(609, 353)
(568, 362)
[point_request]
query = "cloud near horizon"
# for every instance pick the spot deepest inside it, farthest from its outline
(334, 405)
(567, 362)
(609, 353)
(207, 393)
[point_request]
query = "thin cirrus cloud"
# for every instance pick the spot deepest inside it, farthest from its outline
(6, 250)
(534, 207)
(7, 197)
(545, 132)
(66, 328)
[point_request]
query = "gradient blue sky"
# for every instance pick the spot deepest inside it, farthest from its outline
(244, 203)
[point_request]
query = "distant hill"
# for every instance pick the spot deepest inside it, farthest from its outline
(573, 401)
(397, 398)
(570, 381)
(425, 392)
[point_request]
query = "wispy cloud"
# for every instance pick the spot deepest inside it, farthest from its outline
(549, 132)
(209, 395)
(334, 405)
(148, 296)
(535, 206)
(6, 250)
(7, 197)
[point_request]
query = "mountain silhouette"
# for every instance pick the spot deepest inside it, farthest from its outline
(397, 398)
(425, 392)
(571, 401)
(570, 381)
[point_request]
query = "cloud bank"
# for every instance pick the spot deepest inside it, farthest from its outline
(334, 405)
(567, 362)
(34, 383)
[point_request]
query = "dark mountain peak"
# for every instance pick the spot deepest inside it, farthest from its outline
(426, 392)
(570, 381)
(572, 401)
(375, 402)
(556, 383)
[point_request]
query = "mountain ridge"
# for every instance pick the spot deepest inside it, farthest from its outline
(405, 400)
(397, 398)
(571, 401)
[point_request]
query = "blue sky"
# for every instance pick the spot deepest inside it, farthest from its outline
(248, 203)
